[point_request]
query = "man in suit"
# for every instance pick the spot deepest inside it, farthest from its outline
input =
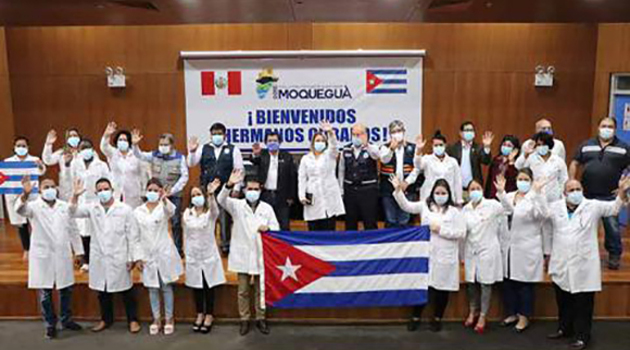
(469, 154)
(276, 170)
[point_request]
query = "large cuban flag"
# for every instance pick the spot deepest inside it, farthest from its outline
(345, 269)
(11, 174)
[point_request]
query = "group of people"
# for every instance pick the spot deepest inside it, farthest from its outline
(530, 211)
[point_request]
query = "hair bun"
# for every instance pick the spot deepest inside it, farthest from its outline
(438, 132)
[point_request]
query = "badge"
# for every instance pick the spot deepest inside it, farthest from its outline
(227, 151)
(365, 155)
(410, 148)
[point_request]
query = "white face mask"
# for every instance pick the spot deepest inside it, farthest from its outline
(164, 149)
(398, 136)
(542, 150)
(87, 154)
(122, 145)
(439, 150)
(105, 196)
(606, 133)
(440, 199)
(575, 197)
(475, 196)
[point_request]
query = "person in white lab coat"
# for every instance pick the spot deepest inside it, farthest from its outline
(63, 156)
(438, 165)
(482, 253)
(162, 265)
(88, 168)
(545, 164)
(115, 249)
(204, 267)
(544, 125)
(575, 261)
(129, 174)
(318, 189)
(522, 248)
(50, 266)
(251, 216)
(21, 154)
(448, 227)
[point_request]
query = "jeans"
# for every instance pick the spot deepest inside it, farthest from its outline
(106, 301)
(176, 223)
(518, 297)
(394, 215)
(154, 298)
(48, 308)
(612, 236)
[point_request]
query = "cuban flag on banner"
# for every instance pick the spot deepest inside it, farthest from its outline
(345, 269)
(386, 81)
(11, 174)
(221, 83)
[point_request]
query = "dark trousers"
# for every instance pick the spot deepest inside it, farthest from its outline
(106, 301)
(575, 313)
(48, 306)
(322, 224)
(86, 248)
(204, 298)
(176, 224)
(280, 207)
(518, 297)
(438, 299)
(24, 231)
(361, 203)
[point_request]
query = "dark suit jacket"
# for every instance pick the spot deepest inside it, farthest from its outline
(477, 157)
(287, 173)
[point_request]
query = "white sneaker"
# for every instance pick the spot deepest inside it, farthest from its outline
(169, 329)
(154, 329)
(85, 267)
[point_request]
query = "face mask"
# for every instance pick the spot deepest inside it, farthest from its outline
(475, 195)
(439, 150)
(87, 154)
(273, 146)
(122, 145)
(164, 149)
(548, 132)
(542, 150)
(320, 146)
(398, 136)
(49, 194)
(506, 150)
(440, 199)
(73, 141)
(606, 133)
(105, 196)
(21, 151)
(357, 142)
(152, 196)
(198, 201)
(575, 197)
(468, 135)
(252, 196)
(523, 186)
(217, 140)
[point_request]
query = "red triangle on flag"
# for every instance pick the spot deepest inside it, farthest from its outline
(372, 81)
(3, 178)
(288, 269)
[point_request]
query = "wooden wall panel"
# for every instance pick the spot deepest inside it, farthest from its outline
(6, 109)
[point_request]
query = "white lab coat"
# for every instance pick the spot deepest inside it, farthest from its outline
(161, 259)
(65, 174)
(129, 174)
(558, 148)
(435, 168)
(115, 242)
(245, 249)
(89, 175)
(482, 253)
(11, 199)
(53, 239)
(202, 253)
(316, 175)
(444, 246)
(575, 263)
(523, 244)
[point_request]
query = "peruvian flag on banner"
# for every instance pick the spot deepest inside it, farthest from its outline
(218, 83)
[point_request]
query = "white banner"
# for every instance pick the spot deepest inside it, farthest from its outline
(292, 95)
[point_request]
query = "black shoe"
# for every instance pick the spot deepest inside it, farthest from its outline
(244, 328)
(196, 327)
(435, 325)
(51, 333)
(559, 334)
(263, 327)
(577, 345)
(73, 326)
(413, 324)
(509, 324)
(206, 328)
(614, 262)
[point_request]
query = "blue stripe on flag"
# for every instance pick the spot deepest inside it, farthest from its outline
(19, 177)
(16, 190)
(388, 71)
(17, 165)
(392, 235)
(354, 299)
(388, 91)
(394, 81)
(380, 267)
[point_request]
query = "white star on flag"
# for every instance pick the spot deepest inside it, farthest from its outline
(288, 270)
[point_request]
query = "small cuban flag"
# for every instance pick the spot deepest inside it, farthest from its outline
(378, 268)
(11, 174)
(386, 81)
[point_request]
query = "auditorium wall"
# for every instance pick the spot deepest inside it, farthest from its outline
(6, 110)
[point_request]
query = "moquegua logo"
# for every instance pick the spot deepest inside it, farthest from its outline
(265, 82)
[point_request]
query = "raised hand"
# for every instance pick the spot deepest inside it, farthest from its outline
(539, 184)
(110, 129)
(51, 138)
(529, 147)
(237, 176)
(256, 149)
(78, 188)
(136, 136)
(193, 144)
(420, 143)
(27, 185)
(213, 187)
(326, 126)
(624, 184)
(487, 139)
(499, 183)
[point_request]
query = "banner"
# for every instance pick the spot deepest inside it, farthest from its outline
(376, 268)
(292, 95)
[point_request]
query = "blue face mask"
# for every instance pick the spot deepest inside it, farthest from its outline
(606, 133)
(122, 145)
(356, 141)
(73, 141)
(49, 194)
(320, 146)
(152, 196)
(548, 132)
(198, 201)
(217, 139)
(273, 146)
(575, 197)
(468, 135)
(475, 196)
(21, 151)
(105, 196)
(439, 150)
(252, 196)
(506, 150)
(542, 150)
(87, 154)
(440, 199)
(523, 186)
